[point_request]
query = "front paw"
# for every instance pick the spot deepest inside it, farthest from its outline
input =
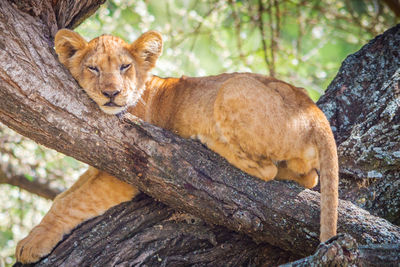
(36, 245)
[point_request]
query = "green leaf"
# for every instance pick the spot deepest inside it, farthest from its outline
(28, 177)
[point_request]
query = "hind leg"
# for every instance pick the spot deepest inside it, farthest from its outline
(298, 171)
(310, 179)
(267, 169)
(264, 169)
(242, 131)
(299, 165)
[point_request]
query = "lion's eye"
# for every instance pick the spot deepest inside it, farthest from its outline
(124, 67)
(93, 69)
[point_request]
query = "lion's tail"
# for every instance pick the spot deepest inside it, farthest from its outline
(329, 178)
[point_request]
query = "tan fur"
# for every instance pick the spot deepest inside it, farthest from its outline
(94, 193)
(263, 126)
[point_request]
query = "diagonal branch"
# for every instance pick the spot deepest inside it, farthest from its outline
(34, 186)
(394, 5)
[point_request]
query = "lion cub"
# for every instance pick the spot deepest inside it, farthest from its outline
(263, 126)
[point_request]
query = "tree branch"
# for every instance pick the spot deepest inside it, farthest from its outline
(34, 186)
(59, 14)
(158, 236)
(343, 250)
(263, 37)
(394, 5)
(362, 106)
(71, 13)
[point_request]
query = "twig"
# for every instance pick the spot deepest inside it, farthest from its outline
(263, 36)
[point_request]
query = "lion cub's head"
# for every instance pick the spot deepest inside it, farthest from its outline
(112, 72)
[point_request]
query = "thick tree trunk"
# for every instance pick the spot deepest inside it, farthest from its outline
(363, 105)
(158, 236)
(39, 99)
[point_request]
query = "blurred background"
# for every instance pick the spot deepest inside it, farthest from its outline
(302, 42)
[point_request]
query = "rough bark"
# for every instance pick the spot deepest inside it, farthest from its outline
(362, 103)
(58, 14)
(39, 99)
(158, 236)
(343, 250)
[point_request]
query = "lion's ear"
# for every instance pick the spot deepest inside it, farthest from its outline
(147, 48)
(67, 43)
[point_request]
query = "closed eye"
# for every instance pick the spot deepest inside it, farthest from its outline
(93, 69)
(124, 67)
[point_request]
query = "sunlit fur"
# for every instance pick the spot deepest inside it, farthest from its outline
(263, 126)
(107, 54)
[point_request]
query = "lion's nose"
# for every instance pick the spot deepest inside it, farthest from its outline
(110, 94)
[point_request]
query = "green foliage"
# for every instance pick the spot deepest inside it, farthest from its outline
(28, 177)
(5, 235)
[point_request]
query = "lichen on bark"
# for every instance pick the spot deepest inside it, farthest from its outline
(363, 106)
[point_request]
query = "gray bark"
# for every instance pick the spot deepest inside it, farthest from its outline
(158, 236)
(343, 250)
(363, 105)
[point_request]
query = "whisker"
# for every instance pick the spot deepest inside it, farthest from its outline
(142, 101)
